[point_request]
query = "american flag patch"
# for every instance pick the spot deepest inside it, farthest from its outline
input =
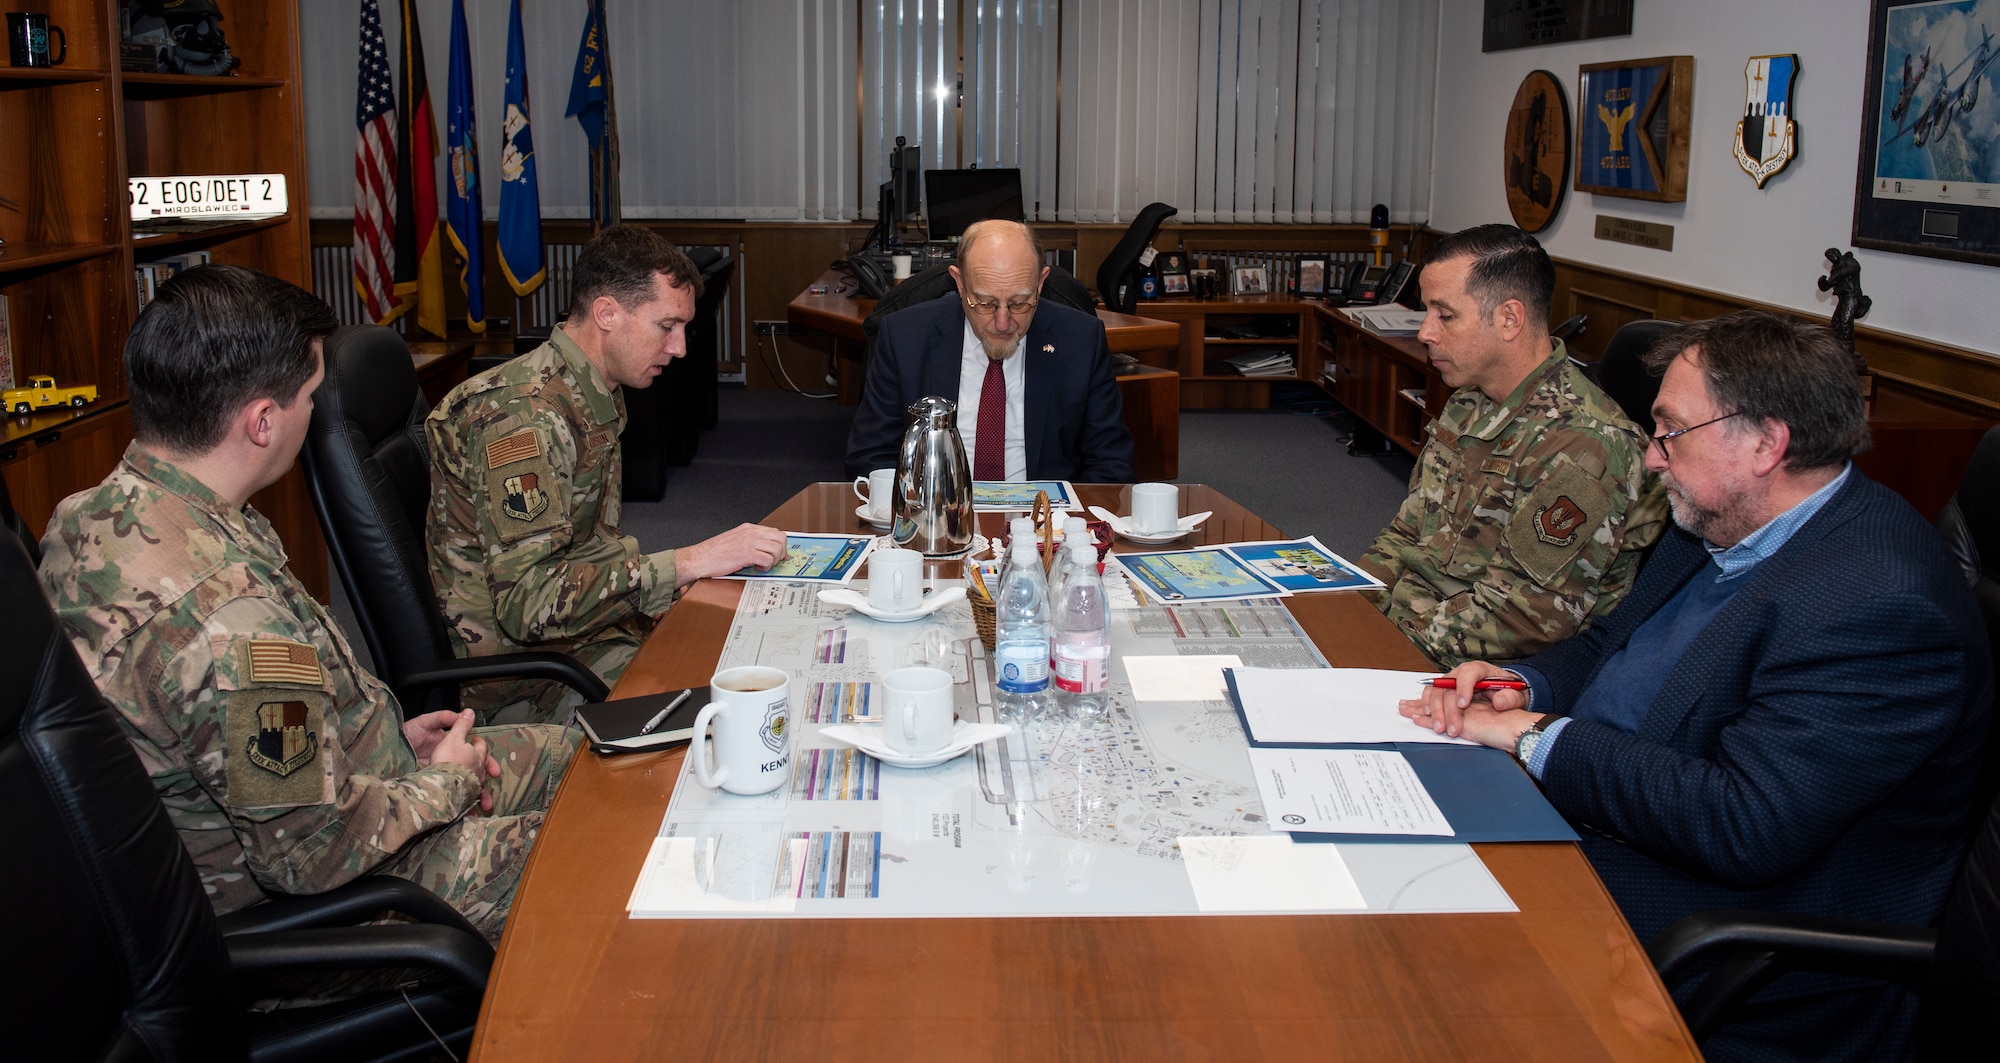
(520, 446)
(279, 661)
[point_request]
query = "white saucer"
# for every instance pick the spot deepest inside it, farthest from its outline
(867, 737)
(858, 602)
(862, 512)
(1123, 526)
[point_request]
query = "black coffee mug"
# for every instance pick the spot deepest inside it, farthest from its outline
(28, 40)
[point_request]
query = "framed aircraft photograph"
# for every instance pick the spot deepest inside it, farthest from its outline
(1929, 178)
(1632, 127)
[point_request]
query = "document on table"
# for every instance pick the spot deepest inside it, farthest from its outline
(1194, 678)
(1328, 706)
(1268, 873)
(1345, 791)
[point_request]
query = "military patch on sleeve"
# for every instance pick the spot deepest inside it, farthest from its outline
(525, 498)
(1553, 522)
(274, 740)
(269, 661)
(521, 446)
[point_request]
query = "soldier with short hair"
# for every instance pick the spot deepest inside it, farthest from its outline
(285, 767)
(525, 548)
(1530, 504)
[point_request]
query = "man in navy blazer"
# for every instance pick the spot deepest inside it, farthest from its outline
(1788, 711)
(1043, 370)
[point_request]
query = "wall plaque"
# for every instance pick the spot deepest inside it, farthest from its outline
(1657, 235)
(1632, 122)
(1537, 164)
(1525, 23)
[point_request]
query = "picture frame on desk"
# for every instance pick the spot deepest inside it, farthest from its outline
(1250, 280)
(1921, 93)
(1173, 284)
(1312, 276)
(1205, 283)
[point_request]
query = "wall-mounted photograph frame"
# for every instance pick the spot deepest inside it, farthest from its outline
(1633, 121)
(1250, 280)
(1929, 177)
(1312, 276)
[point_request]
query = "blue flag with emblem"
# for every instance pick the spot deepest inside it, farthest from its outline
(591, 103)
(520, 195)
(464, 216)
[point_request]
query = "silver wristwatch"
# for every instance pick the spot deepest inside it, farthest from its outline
(1524, 746)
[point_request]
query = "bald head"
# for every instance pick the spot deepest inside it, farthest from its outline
(993, 237)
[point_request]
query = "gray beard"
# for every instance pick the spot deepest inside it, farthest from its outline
(1004, 353)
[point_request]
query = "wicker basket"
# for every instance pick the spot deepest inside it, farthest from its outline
(984, 619)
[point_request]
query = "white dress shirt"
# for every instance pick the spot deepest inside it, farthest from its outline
(972, 380)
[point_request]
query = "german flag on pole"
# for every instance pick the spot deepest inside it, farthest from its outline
(419, 255)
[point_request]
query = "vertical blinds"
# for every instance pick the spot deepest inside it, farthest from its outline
(1232, 110)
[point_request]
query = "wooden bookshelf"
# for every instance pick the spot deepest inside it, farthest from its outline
(66, 268)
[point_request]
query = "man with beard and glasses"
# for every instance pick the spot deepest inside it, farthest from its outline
(1787, 713)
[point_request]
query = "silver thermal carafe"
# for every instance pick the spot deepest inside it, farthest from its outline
(932, 503)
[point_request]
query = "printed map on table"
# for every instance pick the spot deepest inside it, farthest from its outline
(814, 559)
(1208, 574)
(1007, 495)
(1302, 565)
(1069, 817)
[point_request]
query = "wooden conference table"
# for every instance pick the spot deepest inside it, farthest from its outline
(576, 979)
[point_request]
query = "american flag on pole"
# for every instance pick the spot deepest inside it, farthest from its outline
(375, 174)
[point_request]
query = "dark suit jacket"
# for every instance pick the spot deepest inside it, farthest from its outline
(1074, 419)
(1814, 750)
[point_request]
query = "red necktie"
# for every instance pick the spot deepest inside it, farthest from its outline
(989, 457)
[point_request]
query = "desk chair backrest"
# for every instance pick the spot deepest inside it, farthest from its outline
(11, 519)
(111, 943)
(368, 469)
(1118, 274)
(1622, 372)
(1060, 287)
(1970, 525)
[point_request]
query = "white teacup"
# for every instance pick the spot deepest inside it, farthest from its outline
(902, 265)
(1156, 509)
(752, 742)
(895, 580)
(875, 490)
(917, 718)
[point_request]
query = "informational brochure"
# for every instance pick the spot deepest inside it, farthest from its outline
(1009, 496)
(829, 559)
(1344, 791)
(1205, 574)
(1303, 565)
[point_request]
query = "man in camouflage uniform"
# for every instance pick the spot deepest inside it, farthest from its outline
(525, 481)
(283, 764)
(1530, 504)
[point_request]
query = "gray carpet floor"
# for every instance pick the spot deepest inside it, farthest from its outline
(1288, 464)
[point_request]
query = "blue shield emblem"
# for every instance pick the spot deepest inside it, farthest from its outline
(1767, 138)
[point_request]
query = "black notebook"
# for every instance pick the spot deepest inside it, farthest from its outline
(614, 726)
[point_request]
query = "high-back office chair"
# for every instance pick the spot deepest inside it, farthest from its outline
(368, 471)
(1622, 372)
(1118, 274)
(1970, 525)
(119, 954)
(1060, 287)
(11, 519)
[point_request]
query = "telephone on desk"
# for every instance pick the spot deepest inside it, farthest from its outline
(1367, 284)
(874, 269)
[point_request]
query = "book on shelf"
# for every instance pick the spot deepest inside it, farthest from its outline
(1415, 395)
(1386, 320)
(150, 275)
(6, 347)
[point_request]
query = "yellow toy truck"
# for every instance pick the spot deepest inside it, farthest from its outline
(42, 393)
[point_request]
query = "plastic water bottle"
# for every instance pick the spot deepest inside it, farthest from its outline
(1020, 529)
(1074, 529)
(1021, 636)
(1082, 654)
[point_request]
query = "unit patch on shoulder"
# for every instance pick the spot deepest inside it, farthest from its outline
(1560, 522)
(522, 497)
(523, 494)
(1554, 520)
(521, 446)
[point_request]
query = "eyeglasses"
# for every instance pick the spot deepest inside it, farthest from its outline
(1662, 441)
(989, 307)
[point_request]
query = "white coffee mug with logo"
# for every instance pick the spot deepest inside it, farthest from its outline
(752, 742)
(918, 716)
(895, 580)
(879, 484)
(1156, 509)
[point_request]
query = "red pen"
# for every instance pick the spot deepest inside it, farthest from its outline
(1448, 683)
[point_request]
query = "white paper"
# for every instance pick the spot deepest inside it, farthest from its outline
(1306, 706)
(1268, 874)
(677, 878)
(1345, 791)
(1197, 678)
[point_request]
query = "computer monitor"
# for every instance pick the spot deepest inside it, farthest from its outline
(957, 198)
(906, 169)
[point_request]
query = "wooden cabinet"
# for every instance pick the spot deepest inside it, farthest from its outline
(75, 133)
(1386, 381)
(1214, 330)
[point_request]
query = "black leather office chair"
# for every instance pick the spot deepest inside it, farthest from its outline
(1957, 965)
(114, 950)
(368, 471)
(1622, 372)
(1060, 287)
(11, 519)
(1118, 274)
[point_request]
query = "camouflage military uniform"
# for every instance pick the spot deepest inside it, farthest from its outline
(281, 762)
(524, 542)
(1525, 519)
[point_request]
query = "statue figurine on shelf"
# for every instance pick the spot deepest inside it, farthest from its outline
(1843, 279)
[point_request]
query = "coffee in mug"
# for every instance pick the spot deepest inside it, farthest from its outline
(751, 741)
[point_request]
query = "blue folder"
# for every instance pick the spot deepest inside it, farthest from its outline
(1483, 793)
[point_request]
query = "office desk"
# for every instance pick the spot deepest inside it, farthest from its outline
(576, 979)
(1152, 394)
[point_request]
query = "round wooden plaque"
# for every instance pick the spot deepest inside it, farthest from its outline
(1538, 146)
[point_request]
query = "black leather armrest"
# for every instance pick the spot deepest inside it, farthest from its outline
(464, 957)
(530, 664)
(356, 902)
